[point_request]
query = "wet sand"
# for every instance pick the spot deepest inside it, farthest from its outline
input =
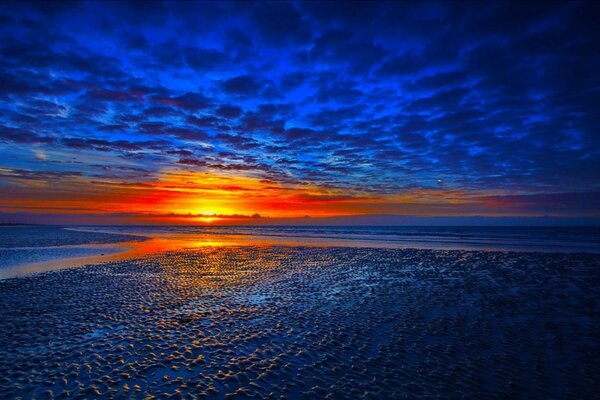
(306, 322)
(106, 244)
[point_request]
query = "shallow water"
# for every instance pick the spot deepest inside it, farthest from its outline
(300, 322)
(28, 249)
(547, 239)
(34, 236)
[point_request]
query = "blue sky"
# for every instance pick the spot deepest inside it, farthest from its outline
(344, 108)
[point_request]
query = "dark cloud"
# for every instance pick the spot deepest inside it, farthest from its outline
(203, 59)
(373, 97)
(30, 175)
(561, 203)
(189, 101)
(227, 111)
(402, 66)
(114, 145)
(20, 135)
(238, 142)
(280, 23)
(243, 85)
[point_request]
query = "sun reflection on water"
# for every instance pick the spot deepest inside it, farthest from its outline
(171, 242)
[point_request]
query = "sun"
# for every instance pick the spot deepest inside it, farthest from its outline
(206, 212)
(207, 216)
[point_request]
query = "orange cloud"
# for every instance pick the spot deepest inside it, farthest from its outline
(179, 196)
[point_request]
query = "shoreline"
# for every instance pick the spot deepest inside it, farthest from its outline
(40, 249)
(127, 251)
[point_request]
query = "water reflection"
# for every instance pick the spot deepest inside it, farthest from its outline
(165, 239)
(172, 241)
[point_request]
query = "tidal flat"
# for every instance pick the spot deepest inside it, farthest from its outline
(280, 322)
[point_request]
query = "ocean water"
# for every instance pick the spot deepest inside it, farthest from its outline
(24, 245)
(28, 236)
(546, 239)
(20, 245)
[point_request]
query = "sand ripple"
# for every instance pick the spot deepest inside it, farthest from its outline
(308, 323)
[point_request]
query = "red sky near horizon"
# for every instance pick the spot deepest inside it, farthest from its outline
(212, 112)
(183, 197)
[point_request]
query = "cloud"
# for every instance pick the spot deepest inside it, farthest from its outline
(227, 111)
(189, 101)
(583, 203)
(279, 23)
(495, 100)
(242, 85)
(203, 59)
(19, 135)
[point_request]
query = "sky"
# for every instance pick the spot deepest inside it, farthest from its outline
(249, 112)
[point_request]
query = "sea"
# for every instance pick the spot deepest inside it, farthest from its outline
(27, 244)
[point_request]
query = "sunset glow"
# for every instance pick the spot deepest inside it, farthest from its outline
(286, 111)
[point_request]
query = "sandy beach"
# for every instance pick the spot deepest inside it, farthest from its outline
(306, 322)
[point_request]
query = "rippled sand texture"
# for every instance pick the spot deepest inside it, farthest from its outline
(306, 322)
